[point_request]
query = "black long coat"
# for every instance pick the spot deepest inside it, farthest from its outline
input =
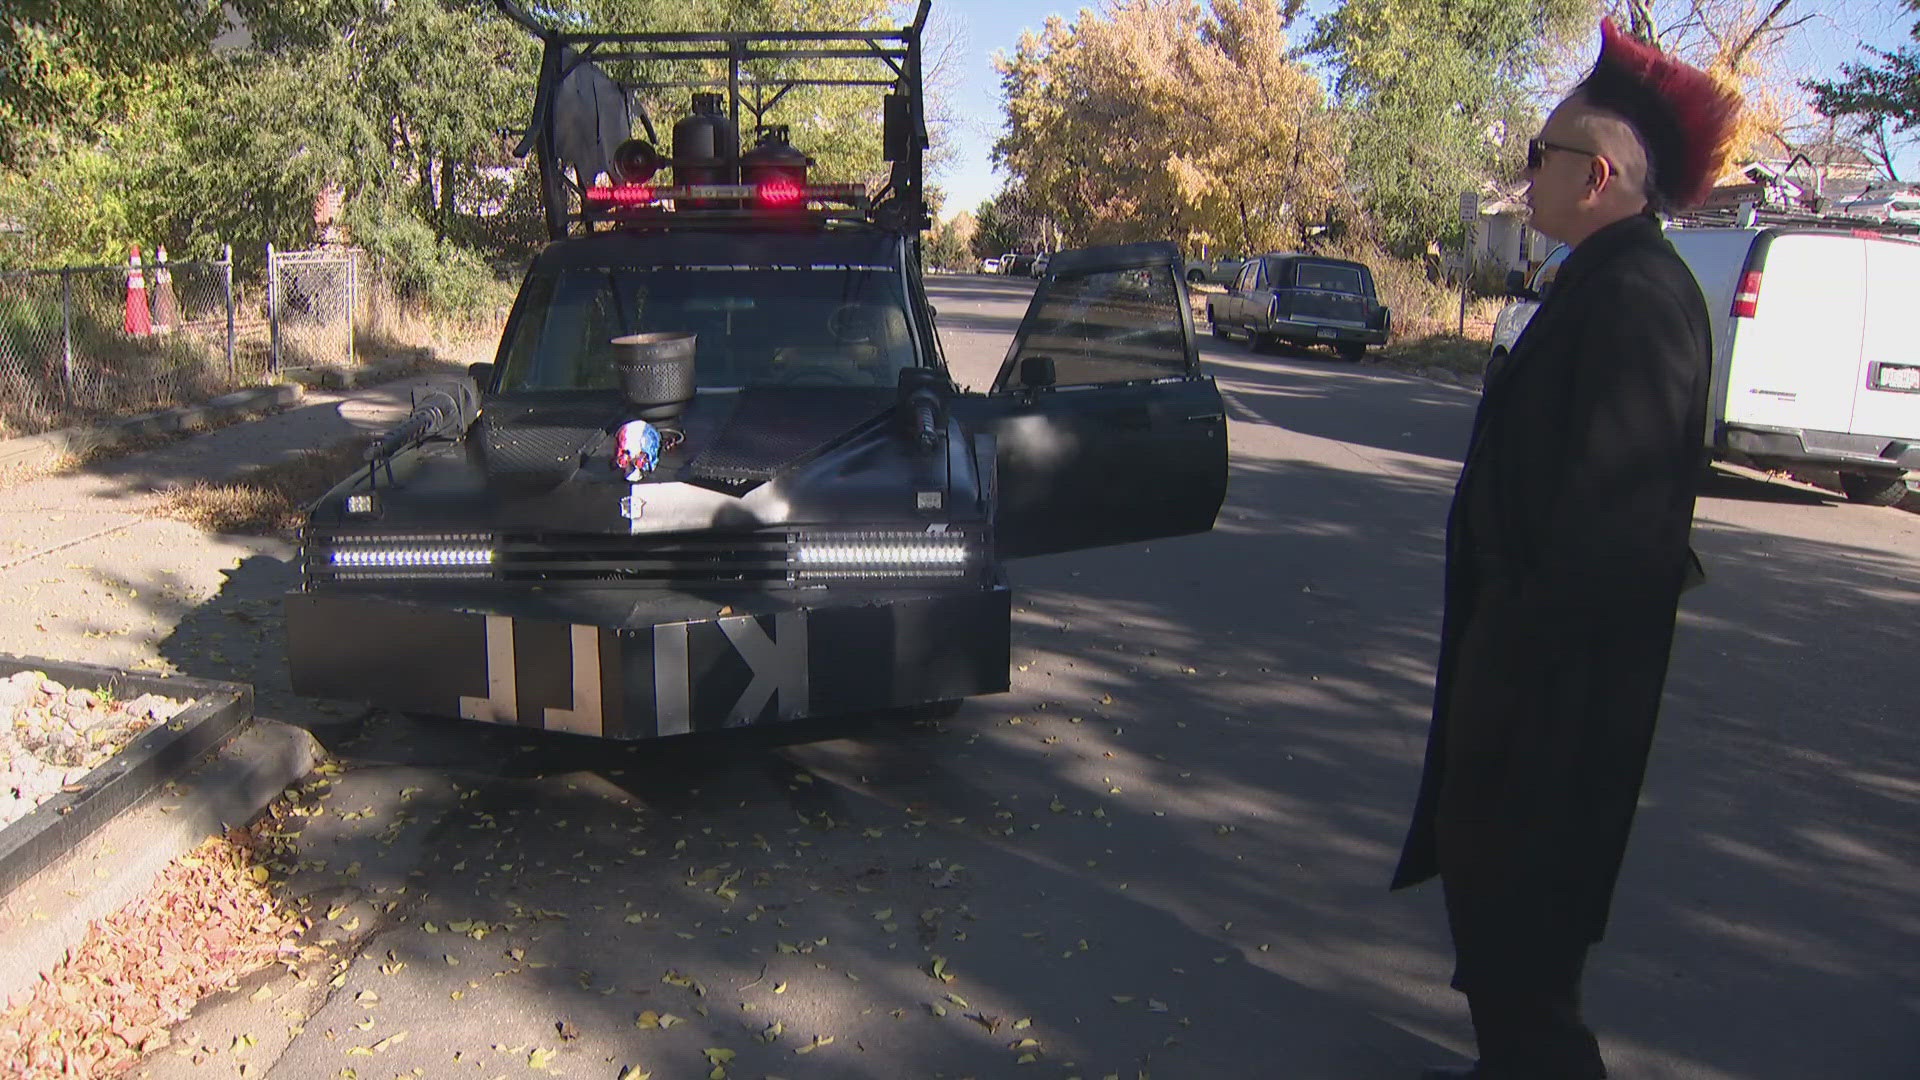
(1567, 546)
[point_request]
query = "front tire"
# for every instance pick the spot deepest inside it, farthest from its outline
(1195, 277)
(1219, 331)
(1874, 489)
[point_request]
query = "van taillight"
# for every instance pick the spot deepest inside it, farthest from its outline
(1746, 301)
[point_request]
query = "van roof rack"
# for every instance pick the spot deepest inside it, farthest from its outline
(1765, 216)
(889, 60)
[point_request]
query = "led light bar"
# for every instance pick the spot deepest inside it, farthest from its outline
(881, 554)
(463, 555)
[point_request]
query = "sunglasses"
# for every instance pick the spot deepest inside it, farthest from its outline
(1537, 152)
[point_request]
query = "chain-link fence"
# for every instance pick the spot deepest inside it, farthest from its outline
(314, 303)
(80, 342)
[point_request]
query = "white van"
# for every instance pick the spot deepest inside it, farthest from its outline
(1813, 363)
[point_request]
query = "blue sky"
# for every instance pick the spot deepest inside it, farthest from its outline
(982, 26)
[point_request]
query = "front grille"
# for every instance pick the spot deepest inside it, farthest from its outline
(755, 559)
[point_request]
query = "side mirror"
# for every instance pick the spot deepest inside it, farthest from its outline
(1517, 286)
(1036, 371)
(932, 312)
(482, 376)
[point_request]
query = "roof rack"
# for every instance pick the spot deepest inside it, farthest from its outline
(1765, 216)
(574, 64)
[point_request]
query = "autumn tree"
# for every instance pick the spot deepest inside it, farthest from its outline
(1743, 44)
(1169, 119)
(1440, 97)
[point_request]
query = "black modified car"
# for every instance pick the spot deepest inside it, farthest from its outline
(718, 474)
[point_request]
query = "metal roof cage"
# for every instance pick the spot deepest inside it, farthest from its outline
(596, 170)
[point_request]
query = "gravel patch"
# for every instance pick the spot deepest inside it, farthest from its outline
(54, 735)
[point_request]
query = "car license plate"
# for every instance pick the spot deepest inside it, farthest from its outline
(1897, 377)
(1327, 333)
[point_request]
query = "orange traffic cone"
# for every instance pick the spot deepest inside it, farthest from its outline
(139, 323)
(166, 308)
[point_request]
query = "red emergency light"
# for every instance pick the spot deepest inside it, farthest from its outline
(776, 193)
(780, 193)
(622, 195)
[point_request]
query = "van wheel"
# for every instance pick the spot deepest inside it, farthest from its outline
(1218, 330)
(1874, 489)
(1195, 277)
(1353, 353)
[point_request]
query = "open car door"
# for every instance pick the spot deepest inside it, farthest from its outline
(1106, 431)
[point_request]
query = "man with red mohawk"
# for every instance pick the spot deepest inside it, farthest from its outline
(1567, 551)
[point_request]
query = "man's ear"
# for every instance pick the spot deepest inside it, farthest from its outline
(1600, 173)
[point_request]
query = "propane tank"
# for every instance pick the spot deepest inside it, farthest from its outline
(705, 144)
(777, 169)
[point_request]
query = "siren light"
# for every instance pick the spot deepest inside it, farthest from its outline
(635, 161)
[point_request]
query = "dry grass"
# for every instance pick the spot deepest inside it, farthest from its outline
(1446, 351)
(267, 498)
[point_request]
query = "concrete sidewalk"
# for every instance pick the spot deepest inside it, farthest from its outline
(90, 572)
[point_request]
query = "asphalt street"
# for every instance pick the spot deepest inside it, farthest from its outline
(1163, 854)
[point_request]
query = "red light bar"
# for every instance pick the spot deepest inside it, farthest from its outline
(780, 192)
(773, 193)
(624, 195)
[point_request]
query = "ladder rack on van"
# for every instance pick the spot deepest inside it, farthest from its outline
(1758, 216)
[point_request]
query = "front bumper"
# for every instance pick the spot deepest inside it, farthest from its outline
(1832, 449)
(617, 666)
(1308, 333)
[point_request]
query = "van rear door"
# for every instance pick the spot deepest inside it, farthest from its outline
(1716, 256)
(1794, 361)
(1887, 389)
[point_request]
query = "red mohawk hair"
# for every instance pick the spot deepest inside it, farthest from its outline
(1684, 117)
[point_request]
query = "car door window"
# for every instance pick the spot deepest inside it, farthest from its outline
(1244, 283)
(1106, 326)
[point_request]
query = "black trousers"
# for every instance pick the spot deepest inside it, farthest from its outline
(1521, 976)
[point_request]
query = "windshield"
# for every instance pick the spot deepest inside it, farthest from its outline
(754, 326)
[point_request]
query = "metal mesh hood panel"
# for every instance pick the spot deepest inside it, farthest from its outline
(773, 428)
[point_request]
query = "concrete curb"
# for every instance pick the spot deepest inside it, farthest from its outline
(52, 445)
(48, 916)
(156, 756)
(336, 377)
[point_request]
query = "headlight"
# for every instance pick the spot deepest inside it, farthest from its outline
(363, 504)
(436, 556)
(883, 554)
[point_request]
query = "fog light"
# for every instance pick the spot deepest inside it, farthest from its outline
(363, 504)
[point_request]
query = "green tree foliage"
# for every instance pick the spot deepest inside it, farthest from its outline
(1169, 119)
(74, 66)
(1011, 221)
(1877, 95)
(119, 122)
(1437, 94)
(949, 244)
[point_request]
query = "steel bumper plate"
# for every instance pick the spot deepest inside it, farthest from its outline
(620, 668)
